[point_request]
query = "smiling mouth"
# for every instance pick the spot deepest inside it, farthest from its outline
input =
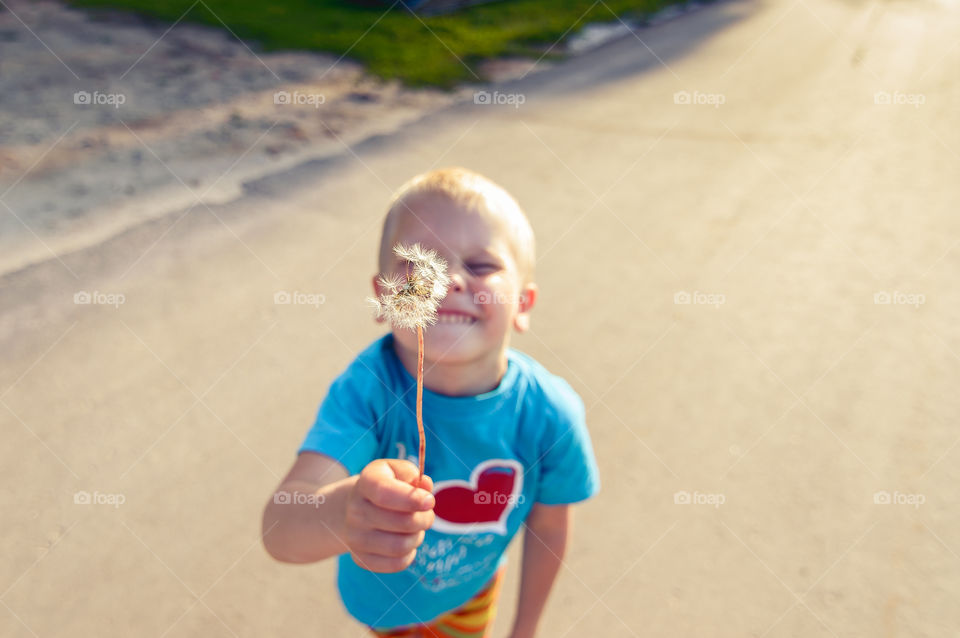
(454, 318)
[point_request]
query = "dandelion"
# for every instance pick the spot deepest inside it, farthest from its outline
(411, 301)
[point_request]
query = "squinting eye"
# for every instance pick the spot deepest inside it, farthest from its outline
(483, 269)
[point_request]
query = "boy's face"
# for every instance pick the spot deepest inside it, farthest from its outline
(486, 299)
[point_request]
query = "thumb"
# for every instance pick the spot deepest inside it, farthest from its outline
(407, 472)
(402, 470)
(392, 483)
(426, 482)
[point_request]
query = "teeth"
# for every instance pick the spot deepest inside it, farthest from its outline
(454, 318)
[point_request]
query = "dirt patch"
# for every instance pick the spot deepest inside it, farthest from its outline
(108, 120)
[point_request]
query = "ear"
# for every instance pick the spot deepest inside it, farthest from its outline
(528, 297)
(377, 291)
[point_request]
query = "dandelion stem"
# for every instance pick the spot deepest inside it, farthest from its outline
(423, 443)
(412, 301)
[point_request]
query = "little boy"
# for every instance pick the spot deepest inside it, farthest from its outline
(506, 441)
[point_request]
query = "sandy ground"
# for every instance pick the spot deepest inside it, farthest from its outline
(752, 285)
(108, 120)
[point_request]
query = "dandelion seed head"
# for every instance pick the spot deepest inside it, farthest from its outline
(412, 300)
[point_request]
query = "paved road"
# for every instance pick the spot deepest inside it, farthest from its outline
(748, 259)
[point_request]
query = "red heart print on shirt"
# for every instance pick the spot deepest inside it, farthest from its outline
(481, 504)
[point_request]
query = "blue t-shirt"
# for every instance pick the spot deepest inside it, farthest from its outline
(491, 457)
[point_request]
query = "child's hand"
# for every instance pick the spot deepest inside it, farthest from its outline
(387, 515)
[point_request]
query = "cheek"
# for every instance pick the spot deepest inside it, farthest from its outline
(487, 296)
(504, 301)
(496, 284)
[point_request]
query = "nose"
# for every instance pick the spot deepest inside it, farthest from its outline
(457, 283)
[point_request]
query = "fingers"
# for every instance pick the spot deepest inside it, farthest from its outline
(387, 544)
(369, 516)
(388, 514)
(385, 551)
(388, 483)
(382, 564)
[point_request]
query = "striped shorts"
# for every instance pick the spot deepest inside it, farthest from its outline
(473, 620)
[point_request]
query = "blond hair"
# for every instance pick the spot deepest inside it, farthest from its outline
(469, 190)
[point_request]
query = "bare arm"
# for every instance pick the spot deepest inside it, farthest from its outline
(544, 544)
(303, 521)
(319, 511)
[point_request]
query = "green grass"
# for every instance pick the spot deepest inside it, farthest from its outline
(398, 45)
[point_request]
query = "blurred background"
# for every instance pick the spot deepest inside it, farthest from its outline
(747, 229)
